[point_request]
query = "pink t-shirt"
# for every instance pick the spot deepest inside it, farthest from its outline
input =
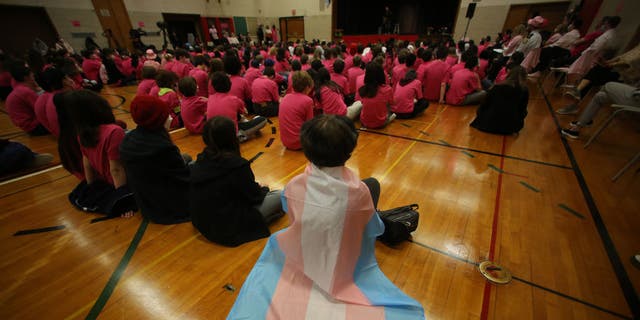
(109, 138)
(252, 74)
(436, 73)
(170, 97)
(290, 83)
(455, 69)
(451, 60)
(193, 113)
(331, 102)
(169, 65)
(145, 86)
(264, 90)
(359, 84)
(226, 105)
(295, 109)
(352, 75)
(374, 110)
(420, 72)
(182, 69)
(155, 90)
(282, 66)
(341, 81)
(398, 73)
(403, 96)
(202, 80)
(502, 75)
(91, 69)
(463, 83)
(240, 88)
(20, 107)
(46, 112)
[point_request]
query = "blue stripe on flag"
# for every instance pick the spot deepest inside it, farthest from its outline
(253, 301)
(376, 286)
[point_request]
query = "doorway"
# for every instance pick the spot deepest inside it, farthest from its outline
(115, 22)
(183, 29)
(34, 23)
(554, 12)
(291, 29)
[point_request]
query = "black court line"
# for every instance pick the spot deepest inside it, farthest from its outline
(115, 276)
(273, 130)
(39, 230)
(405, 125)
(122, 99)
(256, 157)
(271, 140)
(530, 187)
(573, 212)
(269, 121)
(558, 293)
(628, 290)
(467, 149)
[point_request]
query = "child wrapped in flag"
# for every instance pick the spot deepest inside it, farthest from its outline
(323, 265)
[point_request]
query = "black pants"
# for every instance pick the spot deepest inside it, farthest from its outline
(39, 131)
(374, 189)
(549, 54)
(419, 107)
(267, 109)
(598, 76)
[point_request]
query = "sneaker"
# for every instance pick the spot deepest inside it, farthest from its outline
(41, 159)
(534, 75)
(578, 124)
(570, 109)
(573, 92)
(391, 117)
(573, 134)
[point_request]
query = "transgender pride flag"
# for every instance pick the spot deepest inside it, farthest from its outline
(323, 266)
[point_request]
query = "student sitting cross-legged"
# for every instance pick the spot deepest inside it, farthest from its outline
(295, 109)
(325, 260)
(227, 205)
(222, 103)
(156, 171)
(194, 107)
(407, 97)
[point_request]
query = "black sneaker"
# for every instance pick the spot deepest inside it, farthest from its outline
(578, 124)
(573, 134)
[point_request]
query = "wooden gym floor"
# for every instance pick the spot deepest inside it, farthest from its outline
(541, 206)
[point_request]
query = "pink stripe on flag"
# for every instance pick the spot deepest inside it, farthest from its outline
(359, 211)
(291, 297)
(357, 312)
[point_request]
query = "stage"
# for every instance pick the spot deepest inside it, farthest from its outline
(373, 38)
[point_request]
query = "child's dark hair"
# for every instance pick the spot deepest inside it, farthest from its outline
(269, 72)
(408, 77)
(323, 79)
(221, 82)
(51, 79)
(373, 78)
(296, 65)
(232, 64)
(199, 60)
(301, 80)
(219, 136)
(188, 86)
(357, 62)
(427, 55)
(19, 70)
(149, 72)
(338, 66)
(88, 111)
(181, 53)
(316, 64)
(410, 60)
(304, 59)
(328, 140)
(166, 79)
(441, 53)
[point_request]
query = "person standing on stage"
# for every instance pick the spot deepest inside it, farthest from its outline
(387, 25)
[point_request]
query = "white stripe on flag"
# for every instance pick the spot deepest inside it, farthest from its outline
(322, 307)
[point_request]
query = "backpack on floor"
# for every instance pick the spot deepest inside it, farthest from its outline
(399, 223)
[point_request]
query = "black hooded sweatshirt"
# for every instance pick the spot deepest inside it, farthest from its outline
(157, 175)
(222, 197)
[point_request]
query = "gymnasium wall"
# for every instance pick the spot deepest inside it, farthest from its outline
(489, 17)
(628, 12)
(64, 14)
